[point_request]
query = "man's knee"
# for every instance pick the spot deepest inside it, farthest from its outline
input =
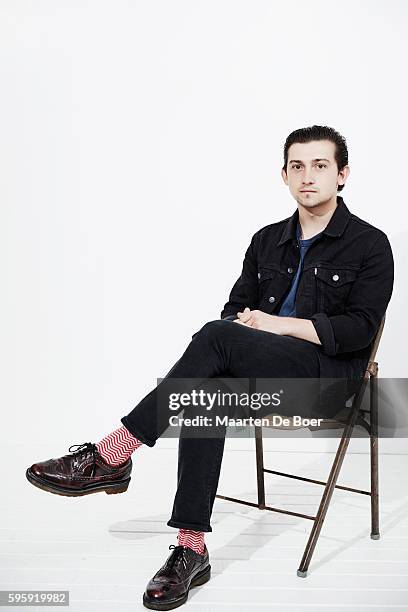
(214, 329)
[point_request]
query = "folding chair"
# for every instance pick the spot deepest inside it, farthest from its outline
(355, 417)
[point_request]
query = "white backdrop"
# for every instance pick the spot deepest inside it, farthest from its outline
(141, 146)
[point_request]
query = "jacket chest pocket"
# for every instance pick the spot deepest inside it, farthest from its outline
(333, 286)
(273, 283)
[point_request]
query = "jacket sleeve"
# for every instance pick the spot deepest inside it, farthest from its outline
(366, 304)
(245, 290)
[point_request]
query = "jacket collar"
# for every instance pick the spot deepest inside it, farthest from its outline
(334, 228)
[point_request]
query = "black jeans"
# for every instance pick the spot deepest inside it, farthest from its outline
(220, 348)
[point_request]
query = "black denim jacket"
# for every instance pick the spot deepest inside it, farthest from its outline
(344, 289)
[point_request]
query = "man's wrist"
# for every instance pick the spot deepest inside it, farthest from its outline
(300, 328)
(286, 325)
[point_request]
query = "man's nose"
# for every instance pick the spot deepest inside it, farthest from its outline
(308, 176)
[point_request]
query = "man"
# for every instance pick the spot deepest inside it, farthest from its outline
(308, 303)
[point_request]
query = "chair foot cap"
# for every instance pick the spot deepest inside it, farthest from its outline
(301, 574)
(375, 536)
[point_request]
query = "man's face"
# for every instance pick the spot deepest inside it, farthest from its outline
(312, 175)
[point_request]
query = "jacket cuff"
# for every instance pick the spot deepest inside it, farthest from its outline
(325, 332)
(230, 318)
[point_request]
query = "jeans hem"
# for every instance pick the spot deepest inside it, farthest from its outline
(137, 434)
(191, 526)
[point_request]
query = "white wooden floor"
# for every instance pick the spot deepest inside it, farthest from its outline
(104, 549)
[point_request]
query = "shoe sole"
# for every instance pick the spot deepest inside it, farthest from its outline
(110, 489)
(201, 578)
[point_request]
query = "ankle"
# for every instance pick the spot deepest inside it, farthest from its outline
(192, 539)
(118, 446)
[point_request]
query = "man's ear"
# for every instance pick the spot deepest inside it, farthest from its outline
(284, 176)
(343, 174)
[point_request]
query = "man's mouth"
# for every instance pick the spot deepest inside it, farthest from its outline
(307, 191)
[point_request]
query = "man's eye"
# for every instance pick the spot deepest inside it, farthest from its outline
(296, 167)
(322, 165)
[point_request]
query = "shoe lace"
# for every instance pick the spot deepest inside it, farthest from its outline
(83, 450)
(178, 556)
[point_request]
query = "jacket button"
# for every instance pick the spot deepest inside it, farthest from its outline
(290, 270)
(336, 277)
(271, 299)
(259, 275)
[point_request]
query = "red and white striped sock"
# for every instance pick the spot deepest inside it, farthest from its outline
(192, 539)
(117, 447)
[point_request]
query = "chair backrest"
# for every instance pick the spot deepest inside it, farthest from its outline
(372, 365)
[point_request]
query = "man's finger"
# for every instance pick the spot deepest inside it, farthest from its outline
(247, 324)
(245, 316)
(242, 322)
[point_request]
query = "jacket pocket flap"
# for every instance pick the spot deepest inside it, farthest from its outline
(270, 270)
(266, 274)
(336, 277)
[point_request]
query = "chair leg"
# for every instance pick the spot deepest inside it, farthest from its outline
(260, 474)
(375, 530)
(330, 485)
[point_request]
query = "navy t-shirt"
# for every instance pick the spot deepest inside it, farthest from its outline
(288, 308)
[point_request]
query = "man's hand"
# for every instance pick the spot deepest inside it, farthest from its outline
(263, 321)
(284, 326)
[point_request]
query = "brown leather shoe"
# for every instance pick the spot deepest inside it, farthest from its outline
(81, 473)
(183, 569)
